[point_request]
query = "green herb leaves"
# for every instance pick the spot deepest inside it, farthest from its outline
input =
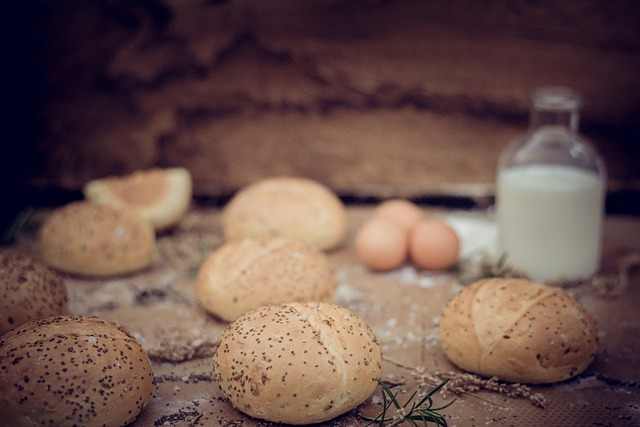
(414, 410)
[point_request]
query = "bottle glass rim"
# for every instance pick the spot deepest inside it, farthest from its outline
(555, 98)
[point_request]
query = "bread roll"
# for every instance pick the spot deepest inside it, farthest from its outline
(298, 363)
(296, 208)
(161, 196)
(72, 371)
(29, 290)
(95, 240)
(246, 274)
(518, 331)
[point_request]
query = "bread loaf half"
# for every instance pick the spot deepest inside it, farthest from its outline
(246, 274)
(518, 331)
(96, 240)
(161, 196)
(297, 208)
(298, 363)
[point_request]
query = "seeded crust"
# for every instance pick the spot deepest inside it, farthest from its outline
(298, 363)
(246, 274)
(161, 196)
(93, 240)
(296, 208)
(72, 371)
(29, 290)
(518, 331)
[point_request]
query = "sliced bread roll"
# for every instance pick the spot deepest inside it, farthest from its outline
(161, 196)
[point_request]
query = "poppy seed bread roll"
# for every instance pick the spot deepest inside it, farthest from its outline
(295, 208)
(29, 290)
(298, 363)
(72, 371)
(243, 275)
(96, 240)
(518, 331)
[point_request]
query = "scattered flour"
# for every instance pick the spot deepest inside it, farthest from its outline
(409, 275)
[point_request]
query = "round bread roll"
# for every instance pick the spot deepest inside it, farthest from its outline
(161, 196)
(29, 290)
(243, 275)
(95, 240)
(298, 363)
(72, 371)
(296, 208)
(518, 331)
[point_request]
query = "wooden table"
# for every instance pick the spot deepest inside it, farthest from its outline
(402, 306)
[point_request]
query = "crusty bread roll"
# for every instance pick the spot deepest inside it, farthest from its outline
(298, 363)
(518, 331)
(95, 240)
(29, 290)
(296, 208)
(246, 274)
(161, 196)
(72, 371)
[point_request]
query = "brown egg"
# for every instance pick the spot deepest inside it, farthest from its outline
(400, 211)
(434, 245)
(381, 244)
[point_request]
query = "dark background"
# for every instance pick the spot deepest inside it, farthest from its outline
(374, 98)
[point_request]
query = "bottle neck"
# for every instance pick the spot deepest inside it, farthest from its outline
(567, 119)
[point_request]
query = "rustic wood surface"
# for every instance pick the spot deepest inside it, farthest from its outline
(402, 307)
(370, 97)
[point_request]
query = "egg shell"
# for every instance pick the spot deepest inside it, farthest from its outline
(72, 371)
(29, 290)
(400, 211)
(381, 244)
(434, 245)
(298, 363)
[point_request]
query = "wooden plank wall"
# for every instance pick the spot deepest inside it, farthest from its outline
(373, 97)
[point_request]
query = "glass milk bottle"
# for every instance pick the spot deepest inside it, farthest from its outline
(550, 194)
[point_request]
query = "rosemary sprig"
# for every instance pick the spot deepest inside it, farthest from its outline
(412, 411)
